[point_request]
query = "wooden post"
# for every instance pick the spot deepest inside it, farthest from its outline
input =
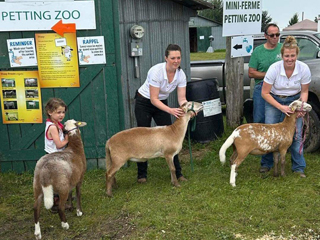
(234, 87)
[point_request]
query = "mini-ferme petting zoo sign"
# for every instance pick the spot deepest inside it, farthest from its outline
(35, 15)
(241, 17)
(21, 97)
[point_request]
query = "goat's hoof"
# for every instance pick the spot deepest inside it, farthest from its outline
(38, 236)
(109, 194)
(233, 184)
(65, 225)
(182, 179)
(176, 185)
(79, 213)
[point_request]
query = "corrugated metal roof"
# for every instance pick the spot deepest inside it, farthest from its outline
(195, 4)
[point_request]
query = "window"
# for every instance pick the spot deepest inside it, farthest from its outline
(308, 48)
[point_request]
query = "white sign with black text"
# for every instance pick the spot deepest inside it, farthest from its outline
(241, 17)
(211, 107)
(241, 46)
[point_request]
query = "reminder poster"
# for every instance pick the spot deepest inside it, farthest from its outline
(20, 97)
(57, 60)
(22, 52)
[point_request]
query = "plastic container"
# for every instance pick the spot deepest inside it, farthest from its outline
(209, 123)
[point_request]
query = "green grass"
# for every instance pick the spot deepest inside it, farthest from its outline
(205, 207)
(218, 54)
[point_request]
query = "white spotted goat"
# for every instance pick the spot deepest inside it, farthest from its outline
(259, 139)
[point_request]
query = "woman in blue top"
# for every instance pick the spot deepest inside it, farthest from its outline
(151, 99)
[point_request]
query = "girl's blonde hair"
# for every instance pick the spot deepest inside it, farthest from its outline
(290, 43)
(53, 104)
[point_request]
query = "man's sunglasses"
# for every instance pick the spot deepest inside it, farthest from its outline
(272, 35)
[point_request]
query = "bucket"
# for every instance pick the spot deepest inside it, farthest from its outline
(209, 125)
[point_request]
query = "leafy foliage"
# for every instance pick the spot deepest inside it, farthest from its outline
(266, 19)
(294, 19)
(215, 14)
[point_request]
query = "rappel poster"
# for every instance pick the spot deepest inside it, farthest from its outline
(91, 50)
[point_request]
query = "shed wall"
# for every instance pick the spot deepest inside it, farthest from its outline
(164, 22)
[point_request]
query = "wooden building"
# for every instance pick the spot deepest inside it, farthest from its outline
(105, 98)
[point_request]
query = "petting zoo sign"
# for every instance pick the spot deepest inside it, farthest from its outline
(20, 97)
(28, 16)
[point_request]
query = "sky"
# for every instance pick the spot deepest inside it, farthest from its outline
(281, 11)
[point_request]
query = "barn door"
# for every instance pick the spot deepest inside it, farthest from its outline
(98, 100)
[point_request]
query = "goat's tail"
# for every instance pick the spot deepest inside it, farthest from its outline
(108, 156)
(48, 196)
(226, 145)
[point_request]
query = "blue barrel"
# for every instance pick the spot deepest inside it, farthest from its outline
(210, 127)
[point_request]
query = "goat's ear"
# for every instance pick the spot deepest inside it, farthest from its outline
(81, 124)
(184, 104)
(294, 106)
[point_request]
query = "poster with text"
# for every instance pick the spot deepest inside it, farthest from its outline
(91, 50)
(20, 97)
(22, 52)
(57, 60)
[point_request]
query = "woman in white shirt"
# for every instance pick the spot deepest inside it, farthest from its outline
(151, 99)
(286, 81)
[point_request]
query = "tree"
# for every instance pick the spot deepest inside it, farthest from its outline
(294, 19)
(265, 20)
(316, 19)
(215, 14)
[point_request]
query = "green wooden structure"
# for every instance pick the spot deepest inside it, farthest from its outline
(203, 34)
(98, 100)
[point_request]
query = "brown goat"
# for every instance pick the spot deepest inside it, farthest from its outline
(142, 143)
(60, 172)
(259, 139)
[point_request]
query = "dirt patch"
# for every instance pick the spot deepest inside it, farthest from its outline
(113, 229)
(184, 155)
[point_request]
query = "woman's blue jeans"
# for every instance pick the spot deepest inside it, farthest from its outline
(273, 115)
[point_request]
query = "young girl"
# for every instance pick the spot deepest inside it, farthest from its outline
(55, 139)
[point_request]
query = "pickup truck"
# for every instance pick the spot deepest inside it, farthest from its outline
(309, 44)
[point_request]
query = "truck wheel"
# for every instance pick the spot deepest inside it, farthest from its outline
(312, 142)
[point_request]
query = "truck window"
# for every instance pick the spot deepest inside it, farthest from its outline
(308, 48)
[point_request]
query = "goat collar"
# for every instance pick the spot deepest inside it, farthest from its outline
(301, 108)
(192, 110)
(71, 129)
